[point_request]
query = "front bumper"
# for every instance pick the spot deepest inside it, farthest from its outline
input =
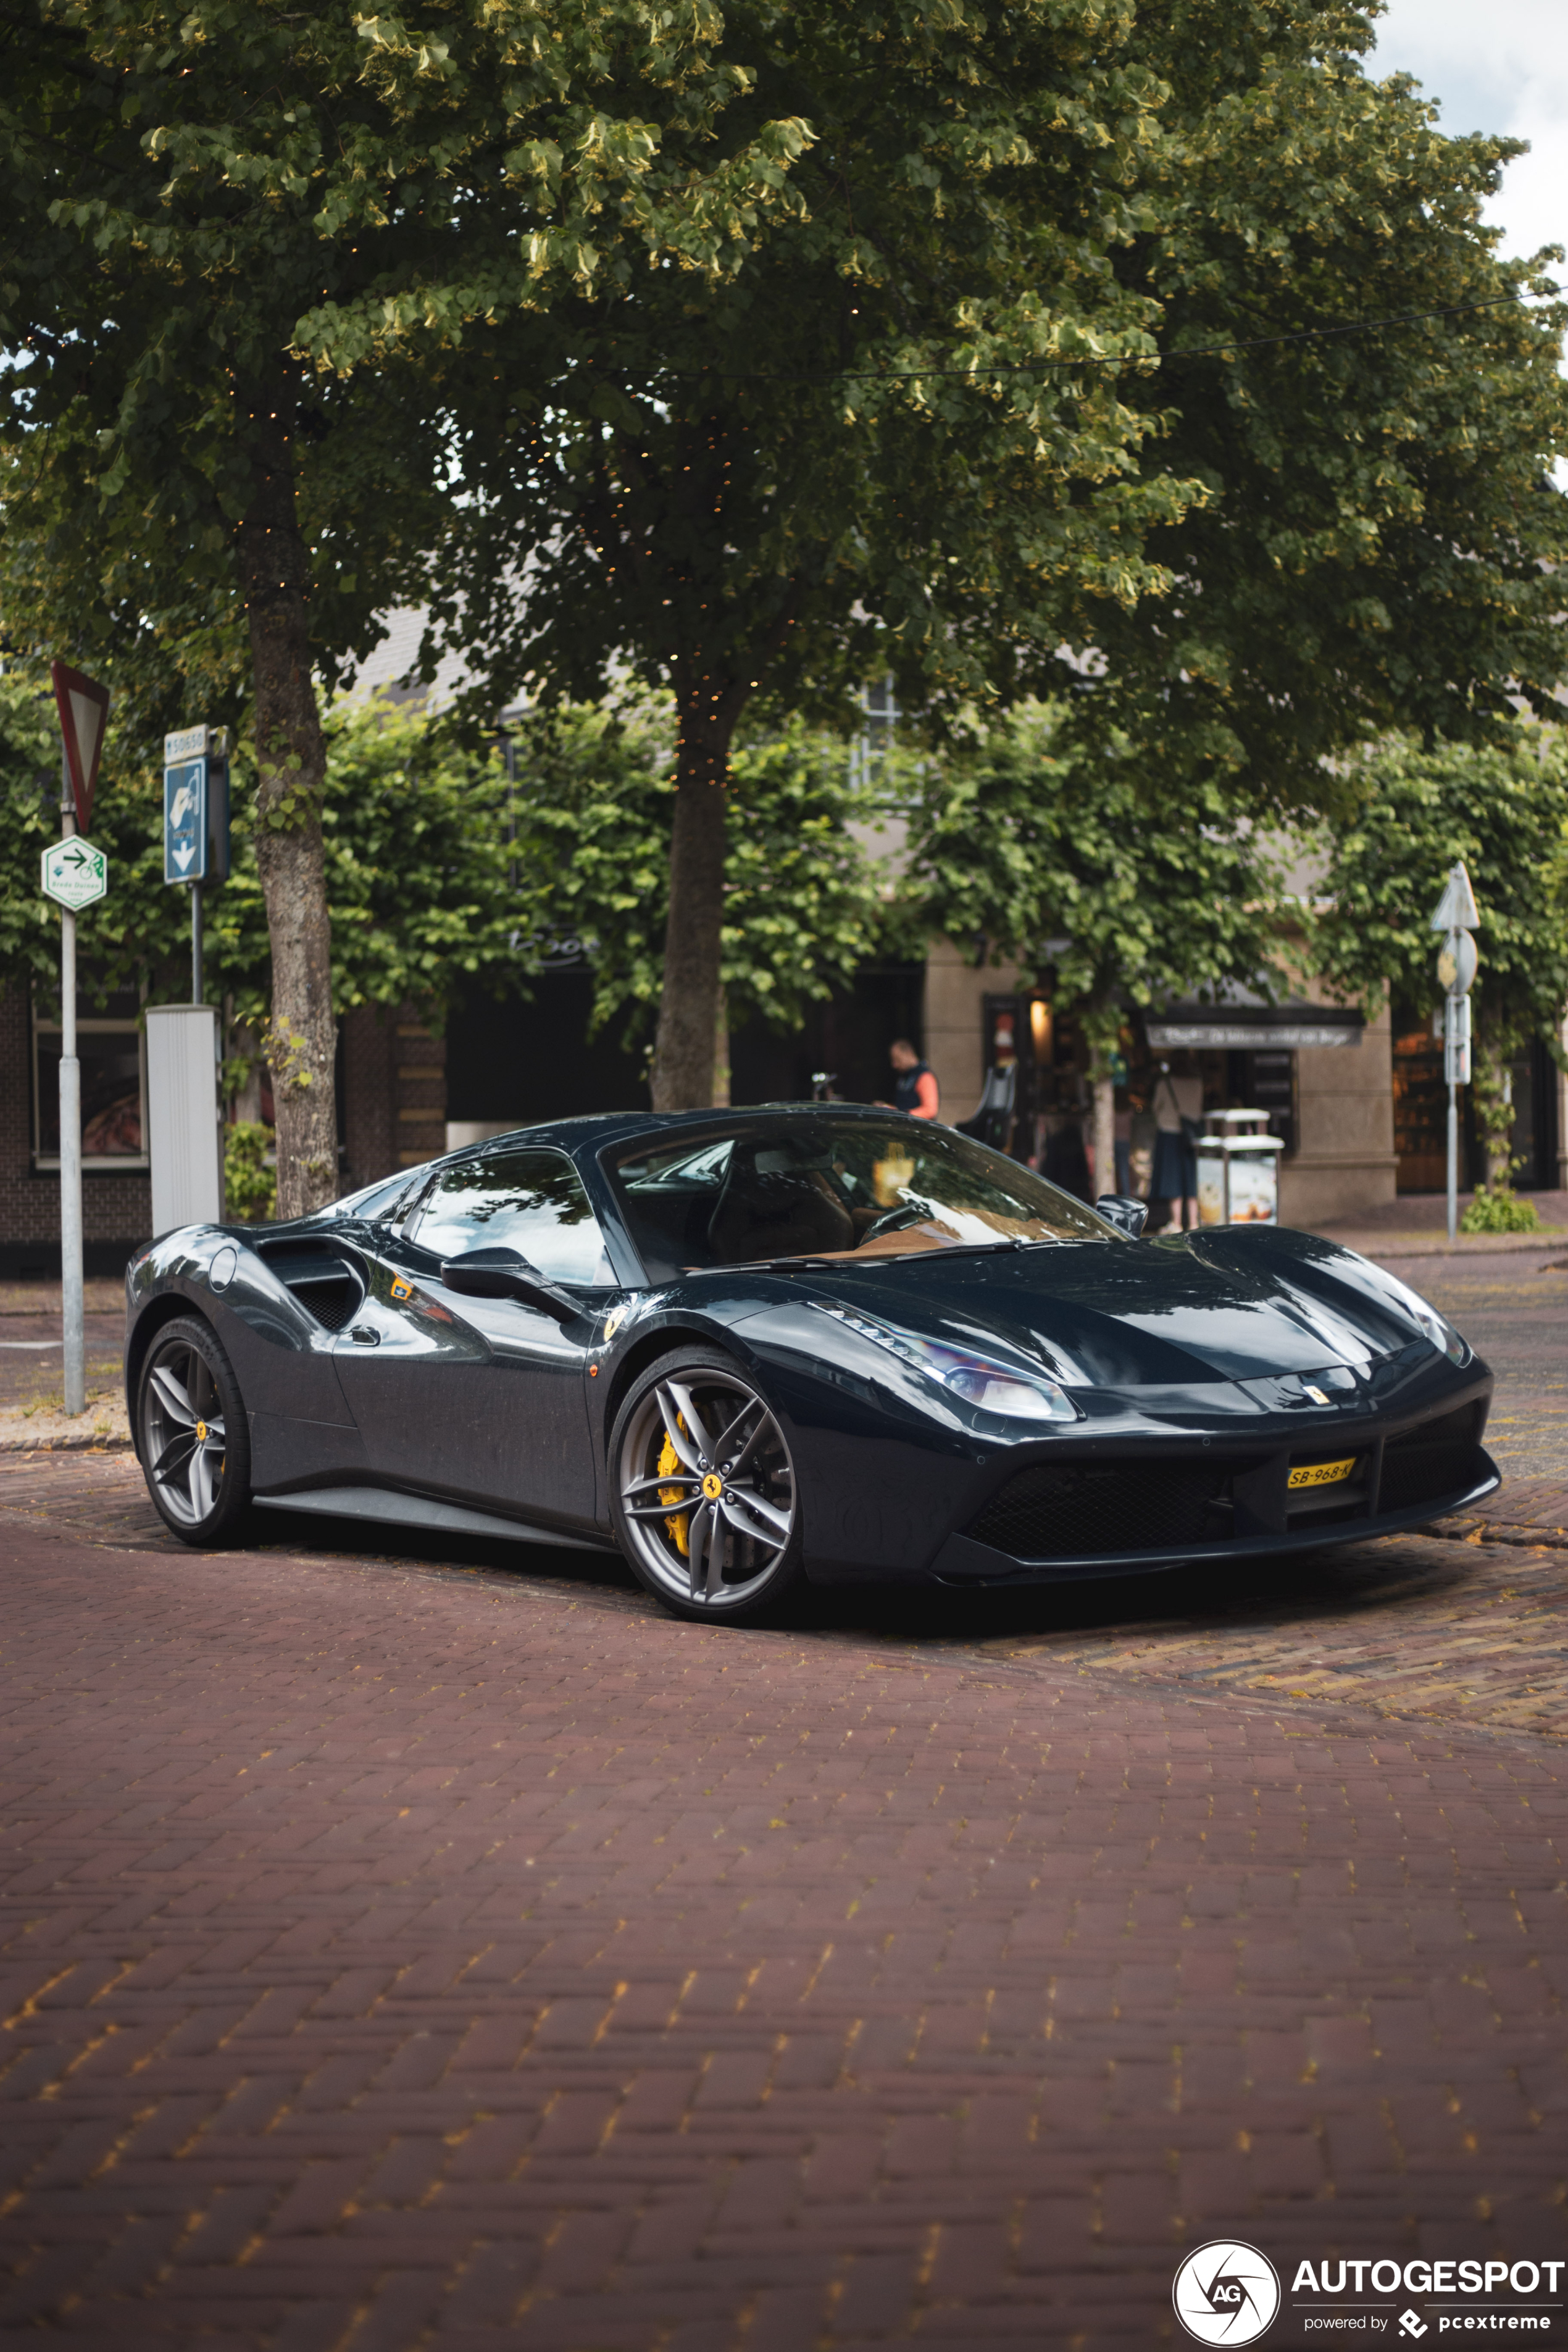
(1110, 1509)
(962, 1560)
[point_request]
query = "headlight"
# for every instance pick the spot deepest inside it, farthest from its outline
(1437, 1328)
(979, 1380)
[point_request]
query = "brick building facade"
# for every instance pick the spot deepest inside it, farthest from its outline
(394, 1092)
(116, 1205)
(392, 1095)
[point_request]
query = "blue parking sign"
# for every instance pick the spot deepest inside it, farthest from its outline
(185, 822)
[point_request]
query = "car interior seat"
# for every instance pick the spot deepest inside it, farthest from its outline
(775, 1211)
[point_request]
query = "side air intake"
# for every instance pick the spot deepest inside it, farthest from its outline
(326, 1286)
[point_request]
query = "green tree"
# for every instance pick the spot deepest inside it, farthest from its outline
(882, 437)
(190, 509)
(1503, 809)
(1062, 860)
(1376, 541)
(803, 905)
(950, 419)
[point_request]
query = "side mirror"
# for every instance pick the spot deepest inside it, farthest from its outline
(507, 1274)
(1119, 1209)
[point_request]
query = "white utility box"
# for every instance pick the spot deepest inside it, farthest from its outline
(185, 1140)
(1238, 1169)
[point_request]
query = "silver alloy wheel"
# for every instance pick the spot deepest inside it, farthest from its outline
(184, 1439)
(726, 1482)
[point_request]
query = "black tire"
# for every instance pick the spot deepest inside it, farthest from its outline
(735, 1552)
(192, 1435)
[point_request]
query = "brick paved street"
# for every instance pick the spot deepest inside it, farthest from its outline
(423, 1952)
(1514, 1309)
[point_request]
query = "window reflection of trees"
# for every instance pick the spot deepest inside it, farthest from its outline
(532, 1202)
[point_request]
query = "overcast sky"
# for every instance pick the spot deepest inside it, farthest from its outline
(1495, 65)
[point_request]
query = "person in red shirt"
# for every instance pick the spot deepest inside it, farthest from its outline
(916, 1091)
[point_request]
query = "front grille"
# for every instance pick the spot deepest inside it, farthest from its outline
(1064, 1510)
(1441, 1459)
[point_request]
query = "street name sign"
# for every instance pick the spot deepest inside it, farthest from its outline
(75, 873)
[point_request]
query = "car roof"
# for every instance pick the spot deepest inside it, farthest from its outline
(602, 1127)
(592, 1132)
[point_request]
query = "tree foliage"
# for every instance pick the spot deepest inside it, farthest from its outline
(1374, 425)
(802, 902)
(1503, 809)
(183, 187)
(881, 438)
(1060, 371)
(1060, 861)
(1060, 858)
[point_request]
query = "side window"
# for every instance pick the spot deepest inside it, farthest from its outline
(532, 1201)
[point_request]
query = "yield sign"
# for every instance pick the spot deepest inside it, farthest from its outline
(83, 706)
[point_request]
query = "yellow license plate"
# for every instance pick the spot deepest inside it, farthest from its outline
(1321, 1474)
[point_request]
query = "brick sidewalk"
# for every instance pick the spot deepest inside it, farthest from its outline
(400, 1954)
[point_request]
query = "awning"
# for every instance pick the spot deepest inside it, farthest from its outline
(1254, 1027)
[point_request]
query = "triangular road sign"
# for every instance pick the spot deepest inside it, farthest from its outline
(1456, 909)
(83, 707)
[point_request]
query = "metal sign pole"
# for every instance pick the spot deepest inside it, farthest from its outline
(1454, 1127)
(1456, 915)
(73, 1330)
(195, 943)
(75, 875)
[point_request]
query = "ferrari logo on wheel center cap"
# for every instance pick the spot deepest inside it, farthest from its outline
(202, 1431)
(713, 1486)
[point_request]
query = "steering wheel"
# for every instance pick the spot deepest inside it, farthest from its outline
(908, 1213)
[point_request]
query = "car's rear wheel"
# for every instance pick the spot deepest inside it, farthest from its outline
(191, 1434)
(702, 1490)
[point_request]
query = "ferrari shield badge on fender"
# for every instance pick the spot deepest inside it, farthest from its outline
(612, 1323)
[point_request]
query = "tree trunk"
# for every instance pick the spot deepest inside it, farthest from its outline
(722, 1056)
(299, 1041)
(1104, 1132)
(691, 1001)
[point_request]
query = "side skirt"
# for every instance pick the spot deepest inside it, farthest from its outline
(420, 1511)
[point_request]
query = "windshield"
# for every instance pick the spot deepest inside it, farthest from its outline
(822, 1187)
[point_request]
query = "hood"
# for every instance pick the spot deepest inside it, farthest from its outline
(1136, 1315)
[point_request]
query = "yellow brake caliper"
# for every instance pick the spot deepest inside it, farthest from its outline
(668, 1463)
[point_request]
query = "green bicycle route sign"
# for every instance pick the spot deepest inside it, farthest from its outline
(75, 873)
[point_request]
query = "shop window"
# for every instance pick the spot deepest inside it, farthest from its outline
(112, 1053)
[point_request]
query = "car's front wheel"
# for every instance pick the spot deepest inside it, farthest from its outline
(191, 1434)
(702, 1490)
